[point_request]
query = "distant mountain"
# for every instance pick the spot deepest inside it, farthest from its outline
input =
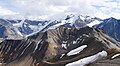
(66, 42)
(111, 27)
(25, 28)
(7, 31)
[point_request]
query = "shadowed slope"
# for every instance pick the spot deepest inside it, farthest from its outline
(47, 48)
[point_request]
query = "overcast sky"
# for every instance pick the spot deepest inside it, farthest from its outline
(58, 8)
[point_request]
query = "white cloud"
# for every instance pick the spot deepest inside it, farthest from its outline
(115, 15)
(82, 7)
(101, 15)
(58, 8)
(4, 11)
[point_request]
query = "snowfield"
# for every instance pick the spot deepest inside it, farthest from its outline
(77, 50)
(88, 60)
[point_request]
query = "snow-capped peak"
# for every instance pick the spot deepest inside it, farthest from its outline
(27, 27)
(94, 23)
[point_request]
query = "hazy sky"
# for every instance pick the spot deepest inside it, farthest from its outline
(59, 8)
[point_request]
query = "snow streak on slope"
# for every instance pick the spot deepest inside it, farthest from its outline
(94, 23)
(88, 60)
(41, 28)
(77, 50)
(17, 31)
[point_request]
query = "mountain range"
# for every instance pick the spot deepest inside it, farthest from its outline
(24, 28)
(72, 41)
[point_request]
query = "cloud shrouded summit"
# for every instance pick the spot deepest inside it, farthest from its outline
(51, 8)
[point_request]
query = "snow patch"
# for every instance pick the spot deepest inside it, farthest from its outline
(115, 56)
(19, 24)
(62, 56)
(18, 32)
(74, 42)
(57, 25)
(88, 60)
(64, 46)
(94, 23)
(77, 50)
(0, 64)
(41, 28)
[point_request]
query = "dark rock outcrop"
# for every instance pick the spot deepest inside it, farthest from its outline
(111, 27)
(45, 48)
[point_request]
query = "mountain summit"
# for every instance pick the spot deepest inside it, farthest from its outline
(59, 46)
(24, 28)
(111, 27)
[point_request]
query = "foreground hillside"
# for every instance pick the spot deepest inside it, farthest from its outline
(62, 46)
